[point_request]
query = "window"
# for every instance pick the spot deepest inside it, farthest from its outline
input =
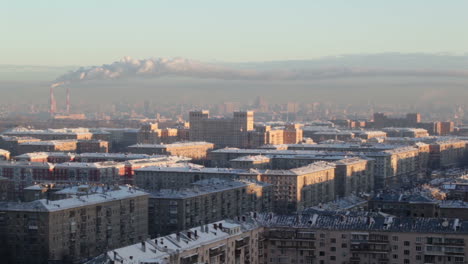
(406, 252)
(333, 240)
(394, 238)
(322, 253)
(407, 243)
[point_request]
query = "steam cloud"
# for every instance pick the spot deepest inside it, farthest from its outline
(157, 67)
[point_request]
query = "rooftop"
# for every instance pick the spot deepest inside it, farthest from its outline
(48, 142)
(63, 131)
(346, 221)
(189, 167)
(44, 205)
(159, 250)
(172, 145)
(202, 187)
(118, 155)
(311, 168)
(97, 165)
(252, 158)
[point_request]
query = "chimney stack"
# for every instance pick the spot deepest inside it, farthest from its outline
(53, 105)
(68, 101)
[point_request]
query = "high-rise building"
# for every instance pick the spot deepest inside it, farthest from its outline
(222, 132)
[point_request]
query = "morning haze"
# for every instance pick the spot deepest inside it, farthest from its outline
(241, 132)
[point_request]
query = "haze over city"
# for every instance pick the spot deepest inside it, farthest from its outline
(242, 132)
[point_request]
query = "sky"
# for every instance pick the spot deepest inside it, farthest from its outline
(85, 32)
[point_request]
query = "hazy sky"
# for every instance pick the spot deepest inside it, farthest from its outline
(95, 32)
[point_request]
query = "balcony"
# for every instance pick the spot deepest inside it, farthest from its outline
(240, 243)
(216, 251)
(371, 248)
(192, 259)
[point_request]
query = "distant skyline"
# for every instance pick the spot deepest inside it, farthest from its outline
(95, 32)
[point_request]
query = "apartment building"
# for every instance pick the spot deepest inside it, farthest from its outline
(150, 133)
(267, 135)
(132, 165)
(353, 176)
(222, 132)
(179, 175)
(393, 165)
(74, 229)
(108, 172)
(51, 134)
(204, 202)
(52, 157)
(310, 238)
(222, 157)
(298, 188)
(360, 239)
(47, 146)
(24, 174)
(227, 241)
(404, 205)
(405, 132)
(93, 146)
(118, 157)
(194, 150)
(251, 162)
(11, 143)
(447, 153)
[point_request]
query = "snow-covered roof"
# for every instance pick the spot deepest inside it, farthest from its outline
(159, 250)
(121, 192)
(172, 145)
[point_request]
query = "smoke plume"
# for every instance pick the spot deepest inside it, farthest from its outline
(157, 67)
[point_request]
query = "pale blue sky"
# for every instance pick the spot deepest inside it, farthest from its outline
(99, 31)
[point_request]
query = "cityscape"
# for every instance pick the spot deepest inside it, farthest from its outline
(265, 133)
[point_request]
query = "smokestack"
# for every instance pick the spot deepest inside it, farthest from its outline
(68, 100)
(53, 105)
